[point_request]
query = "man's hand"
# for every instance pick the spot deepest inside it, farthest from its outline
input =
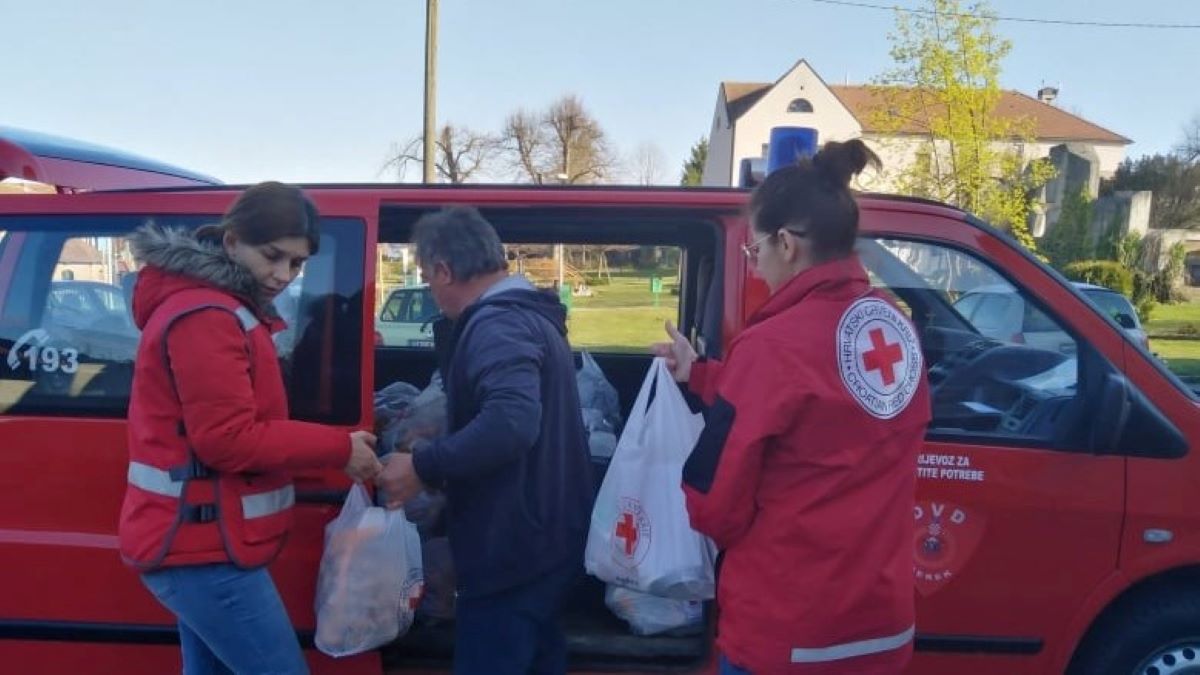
(398, 482)
(678, 352)
(363, 464)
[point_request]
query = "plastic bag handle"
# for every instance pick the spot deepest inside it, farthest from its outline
(589, 362)
(667, 397)
(637, 416)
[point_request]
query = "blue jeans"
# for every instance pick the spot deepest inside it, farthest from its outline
(231, 621)
(516, 631)
(728, 668)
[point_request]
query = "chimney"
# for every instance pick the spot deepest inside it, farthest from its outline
(1048, 95)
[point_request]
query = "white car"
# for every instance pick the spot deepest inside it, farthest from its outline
(406, 318)
(998, 312)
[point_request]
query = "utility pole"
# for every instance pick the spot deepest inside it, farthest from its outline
(431, 25)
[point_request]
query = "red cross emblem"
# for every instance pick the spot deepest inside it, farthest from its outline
(883, 357)
(627, 530)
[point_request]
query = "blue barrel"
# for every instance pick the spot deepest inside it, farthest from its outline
(789, 144)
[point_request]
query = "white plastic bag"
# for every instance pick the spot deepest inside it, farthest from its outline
(650, 615)
(640, 537)
(370, 580)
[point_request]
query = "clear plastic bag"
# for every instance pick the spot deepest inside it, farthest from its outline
(651, 615)
(371, 577)
(423, 417)
(601, 407)
(393, 400)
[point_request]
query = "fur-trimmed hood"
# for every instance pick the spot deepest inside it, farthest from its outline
(175, 260)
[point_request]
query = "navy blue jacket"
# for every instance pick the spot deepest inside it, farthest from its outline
(515, 465)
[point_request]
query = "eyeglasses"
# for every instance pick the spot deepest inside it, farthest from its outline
(751, 250)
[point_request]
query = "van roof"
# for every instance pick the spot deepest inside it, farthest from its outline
(74, 165)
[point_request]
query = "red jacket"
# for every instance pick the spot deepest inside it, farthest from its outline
(805, 478)
(210, 445)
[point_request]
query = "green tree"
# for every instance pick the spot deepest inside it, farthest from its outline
(1175, 182)
(693, 167)
(1069, 240)
(942, 96)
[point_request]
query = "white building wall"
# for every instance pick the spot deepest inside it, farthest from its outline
(719, 168)
(829, 117)
(1110, 155)
(728, 147)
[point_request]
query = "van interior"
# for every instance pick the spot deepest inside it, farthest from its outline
(597, 639)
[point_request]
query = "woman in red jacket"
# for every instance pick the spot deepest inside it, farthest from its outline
(211, 448)
(805, 473)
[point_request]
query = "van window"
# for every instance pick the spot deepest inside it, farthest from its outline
(617, 296)
(1001, 367)
(68, 339)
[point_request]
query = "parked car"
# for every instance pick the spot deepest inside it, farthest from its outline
(1119, 308)
(406, 318)
(1057, 520)
(91, 317)
(1001, 312)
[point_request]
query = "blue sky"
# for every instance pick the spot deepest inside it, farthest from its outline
(318, 91)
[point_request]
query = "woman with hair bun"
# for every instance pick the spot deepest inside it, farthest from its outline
(806, 471)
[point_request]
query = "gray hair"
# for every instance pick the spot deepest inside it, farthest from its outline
(462, 239)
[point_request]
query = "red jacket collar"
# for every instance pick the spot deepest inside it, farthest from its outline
(846, 275)
(154, 285)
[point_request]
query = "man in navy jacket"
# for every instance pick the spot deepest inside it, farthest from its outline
(515, 465)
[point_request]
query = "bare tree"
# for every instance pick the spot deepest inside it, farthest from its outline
(584, 155)
(461, 154)
(524, 140)
(564, 144)
(647, 164)
(1189, 148)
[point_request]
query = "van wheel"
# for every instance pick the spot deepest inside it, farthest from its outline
(1158, 634)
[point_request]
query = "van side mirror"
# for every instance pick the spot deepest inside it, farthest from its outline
(1111, 415)
(1129, 424)
(1125, 321)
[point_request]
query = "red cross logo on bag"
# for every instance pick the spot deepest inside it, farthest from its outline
(628, 531)
(631, 533)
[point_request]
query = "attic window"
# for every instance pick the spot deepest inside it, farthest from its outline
(800, 105)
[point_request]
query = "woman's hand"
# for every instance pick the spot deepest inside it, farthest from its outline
(363, 464)
(678, 352)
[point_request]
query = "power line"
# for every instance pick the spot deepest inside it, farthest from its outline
(1016, 19)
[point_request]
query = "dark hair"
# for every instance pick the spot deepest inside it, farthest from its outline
(813, 196)
(266, 212)
(460, 237)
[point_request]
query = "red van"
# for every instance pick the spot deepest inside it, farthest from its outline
(1058, 508)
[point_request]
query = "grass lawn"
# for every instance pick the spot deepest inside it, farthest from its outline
(618, 330)
(1175, 320)
(1183, 356)
(621, 316)
(1175, 335)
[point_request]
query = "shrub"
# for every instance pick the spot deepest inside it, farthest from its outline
(1106, 273)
